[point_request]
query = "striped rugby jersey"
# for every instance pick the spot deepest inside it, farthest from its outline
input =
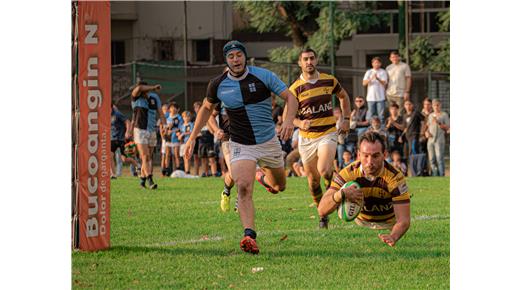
(247, 101)
(315, 104)
(380, 194)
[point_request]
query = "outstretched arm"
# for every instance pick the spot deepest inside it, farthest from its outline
(138, 90)
(402, 215)
(291, 109)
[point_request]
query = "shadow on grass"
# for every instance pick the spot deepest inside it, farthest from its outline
(404, 253)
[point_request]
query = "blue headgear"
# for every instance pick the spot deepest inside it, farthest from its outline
(232, 45)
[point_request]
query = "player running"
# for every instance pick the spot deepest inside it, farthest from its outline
(245, 93)
(383, 190)
(318, 138)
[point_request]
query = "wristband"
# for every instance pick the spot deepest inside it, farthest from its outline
(346, 118)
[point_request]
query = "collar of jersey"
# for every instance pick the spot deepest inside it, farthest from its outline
(313, 81)
(243, 76)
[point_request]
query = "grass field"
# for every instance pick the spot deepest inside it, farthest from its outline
(177, 237)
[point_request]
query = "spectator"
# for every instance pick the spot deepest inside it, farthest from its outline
(416, 157)
(397, 163)
(294, 156)
(399, 80)
(196, 160)
(120, 126)
(184, 135)
(176, 125)
(375, 126)
(346, 160)
(207, 153)
(426, 111)
(395, 127)
(358, 117)
(165, 138)
(375, 80)
(438, 125)
(129, 153)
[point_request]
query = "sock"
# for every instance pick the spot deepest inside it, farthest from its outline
(150, 178)
(227, 189)
(250, 232)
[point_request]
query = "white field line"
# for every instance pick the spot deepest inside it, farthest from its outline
(282, 232)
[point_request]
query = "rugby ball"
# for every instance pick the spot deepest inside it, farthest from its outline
(349, 210)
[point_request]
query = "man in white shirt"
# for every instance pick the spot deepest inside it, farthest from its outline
(399, 80)
(375, 80)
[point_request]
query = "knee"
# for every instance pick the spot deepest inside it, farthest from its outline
(244, 188)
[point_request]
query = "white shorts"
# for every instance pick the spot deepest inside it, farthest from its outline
(308, 147)
(182, 149)
(145, 137)
(268, 154)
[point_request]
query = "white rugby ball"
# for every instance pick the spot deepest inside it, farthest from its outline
(349, 210)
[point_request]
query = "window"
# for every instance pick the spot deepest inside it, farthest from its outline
(118, 52)
(164, 49)
(202, 50)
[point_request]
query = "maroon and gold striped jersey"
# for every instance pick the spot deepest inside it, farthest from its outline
(380, 194)
(315, 104)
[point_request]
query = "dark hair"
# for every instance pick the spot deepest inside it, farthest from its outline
(308, 49)
(142, 83)
(394, 104)
(427, 99)
(372, 137)
(395, 52)
(174, 104)
(376, 58)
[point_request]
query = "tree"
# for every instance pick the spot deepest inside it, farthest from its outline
(307, 23)
(423, 55)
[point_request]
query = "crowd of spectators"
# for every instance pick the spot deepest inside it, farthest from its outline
(416, 137)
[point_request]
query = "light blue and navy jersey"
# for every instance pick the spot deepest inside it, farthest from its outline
(176, 125)
(186, 129)
(140, 112)
(145, 111)
(118, 126)
(154, 104)
(247, 101)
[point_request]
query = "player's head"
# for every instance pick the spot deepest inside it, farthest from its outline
(186, 116)
(394, 109)
(235, 55)
(376, 62)
(307, 60)
(395, 57)
(371, 152)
